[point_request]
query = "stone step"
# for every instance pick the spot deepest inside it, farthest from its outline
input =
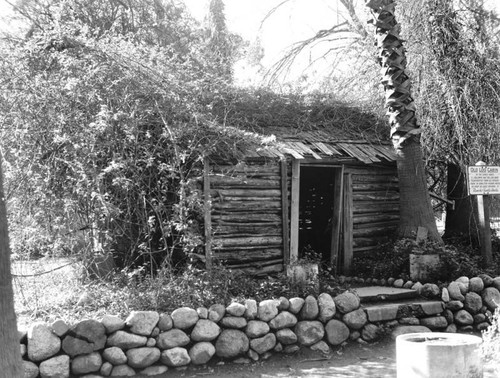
(384, 293)
(420, 308)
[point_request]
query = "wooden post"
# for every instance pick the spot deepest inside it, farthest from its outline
(483, 211)
(347, 223)
(207, 214)
(284, 211)
(336, 218)
(294, 215)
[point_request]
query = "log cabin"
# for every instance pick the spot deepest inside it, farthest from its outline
(308, 190)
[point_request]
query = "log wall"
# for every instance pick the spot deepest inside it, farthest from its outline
(246, 216)
(375, 206)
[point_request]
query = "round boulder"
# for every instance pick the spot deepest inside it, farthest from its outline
(267, 310)
(336, 332)
(455, 292)
(286, 336)
(201, 353)
(171, 339)
(476, 284)
(231, 343)
(284, 319)
(115, 355)
(310, 309)
(355, 319)
(42, 342)
(184, 317)
(491, 298)
(143, 357)
(205, 330)
(346, 302)
(263, 344)
(473, 302)
(326, 307)
(309, 332)
(55, 367)
(175, 357)
(142, 322)
(87, 363)
(463, 318)
(235, 309)
(257, 328)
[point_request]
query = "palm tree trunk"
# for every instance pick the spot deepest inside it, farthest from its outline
(10, 357)
(415, 207)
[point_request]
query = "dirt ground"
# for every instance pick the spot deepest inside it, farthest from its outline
(376, 360)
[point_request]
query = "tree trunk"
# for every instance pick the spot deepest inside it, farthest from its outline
(10, 357)
(461, 220)
(415, 204)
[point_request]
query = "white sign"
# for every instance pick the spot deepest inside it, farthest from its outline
(483, 179)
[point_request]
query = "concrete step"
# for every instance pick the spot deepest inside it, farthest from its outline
(384, 293)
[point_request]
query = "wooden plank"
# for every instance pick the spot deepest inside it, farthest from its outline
(364, 207)
(294, 217)
(246, 205)
(321, 146)
(249, 255)
(240, 218)
(227, 199)
(338, 187)
(284, 212)
(246, 192)
(207, 215)
(220, 181)
(376, 217)
(348, 224)
(376, 196)
(375, 186)
(248, 241)
(374, 240)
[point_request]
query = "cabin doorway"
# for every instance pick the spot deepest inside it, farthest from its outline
(319, 201)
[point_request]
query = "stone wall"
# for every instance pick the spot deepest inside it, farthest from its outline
(150, 343)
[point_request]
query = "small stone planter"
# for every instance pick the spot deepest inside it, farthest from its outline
(438, 355)
(421, 266)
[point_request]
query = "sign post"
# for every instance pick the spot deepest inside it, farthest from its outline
(483, 180)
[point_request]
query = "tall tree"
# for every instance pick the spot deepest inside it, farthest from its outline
(10, 358)
(415, 204)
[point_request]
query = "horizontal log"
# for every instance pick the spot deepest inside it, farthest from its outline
(388, 178)
(246, 199)
(247, 241)
(247, 229)
(262, 170)
(374, 186)
(246, 205)
(247, 217)
(372, 218)
(232, 248)
(375, 207)
(245, 193)
(365, 250)
(374, 231)
(222, 180)
(363, 242)
(386, 224)
(263, 271)
(249, 256)
(375, 196)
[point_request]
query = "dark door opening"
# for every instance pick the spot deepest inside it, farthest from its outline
(316, 210)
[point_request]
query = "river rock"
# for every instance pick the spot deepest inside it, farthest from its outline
(235, 322)
(336, 332)
(463, 318)
(205, 330)
(42, 342)
(370, 332)
(284, 319)
(175, 357)
(235, 309)
(87, 363)
(296, 305)
(125, 340)
(85, 337)
(202, 312)
(326, 307)
(165, 323)
(29, 369)
(430, 290)
(434, 322)
(55, 367)
(346, 302)
(487, 279)
(122, 371)
(455, 305)
(153, 371)
(216, 312)
(491, 298)
(250, 309)
(231, 343)
(455, 292)
(263, 344)
(201, 353)
(473, 302)
(142, 357)
(184, 317)
(445, 295)
(310, 309)
(112, 323)
(142, 322)
(257, 328)
(171, 339)
(476, 285)
(267, 310)
(284, 304)
(464, 280)
(309, 332)
(355, 319)
(286, 336)
(59, 327)
(115, 355)
(322, 347)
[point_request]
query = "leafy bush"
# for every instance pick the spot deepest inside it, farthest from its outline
(393, 260)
